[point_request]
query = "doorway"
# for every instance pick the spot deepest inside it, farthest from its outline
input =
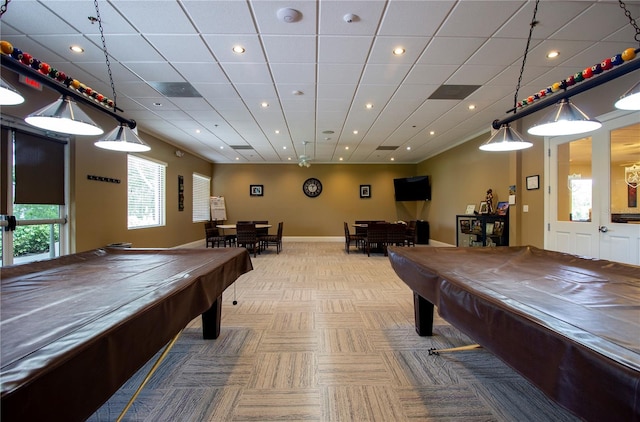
(591, 203)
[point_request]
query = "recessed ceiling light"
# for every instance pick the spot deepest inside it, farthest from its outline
(472, 107)
(284, 147)
(393, 159)
(398, 51)
(347, 147)
(408, 148)
(432, 133)
(297, 92)
(76, 49)
(264, 104)
(157, 104)
(369, 106)
(238, 49)
(355, 132)
(277, 131)
(340, 158)
(289, 158)
(237, 158)
(553, 54)
(197, 130)
(221, 146)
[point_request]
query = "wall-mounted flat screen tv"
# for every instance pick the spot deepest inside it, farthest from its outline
(412, 188)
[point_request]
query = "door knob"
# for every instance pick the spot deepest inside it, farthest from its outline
(603, 229)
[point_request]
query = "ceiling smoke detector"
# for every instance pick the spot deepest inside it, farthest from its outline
(289, 15)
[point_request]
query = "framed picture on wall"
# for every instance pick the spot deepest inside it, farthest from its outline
(533, 182)
(256, 190)
(365, 191)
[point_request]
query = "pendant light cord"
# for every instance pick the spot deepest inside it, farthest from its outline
(106, 54)
(533, 23)
(632, 21)
(3, 7)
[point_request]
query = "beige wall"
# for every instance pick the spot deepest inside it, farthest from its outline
(100, 208)
(462, 176)
(324, 215)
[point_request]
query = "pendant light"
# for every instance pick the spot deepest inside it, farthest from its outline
(565, 119)
(9, 95)
(64, 116)
(630, 100)
(505, 139)
(124, 139)
(121, 138)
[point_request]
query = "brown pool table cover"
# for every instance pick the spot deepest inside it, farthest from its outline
(571, 325)
(75, 328)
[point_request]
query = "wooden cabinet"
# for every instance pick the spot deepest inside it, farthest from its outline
(482, 230)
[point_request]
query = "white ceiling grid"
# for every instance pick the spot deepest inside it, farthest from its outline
(318, 73)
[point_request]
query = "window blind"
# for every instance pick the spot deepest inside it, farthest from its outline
(39, 170)
(201, 193)
(146, 192)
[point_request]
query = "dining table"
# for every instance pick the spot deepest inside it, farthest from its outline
(233, 226)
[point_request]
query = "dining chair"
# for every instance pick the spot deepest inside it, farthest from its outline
(349, 238)
(396, 234)
(376, 237)
(212, 235)
(247, 237)
(274, 239)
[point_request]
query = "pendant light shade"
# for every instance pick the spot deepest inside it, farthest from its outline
(64, 116)
(9, 95)
(505, 139)
(630, 100)
(124, 139)
(565, 119)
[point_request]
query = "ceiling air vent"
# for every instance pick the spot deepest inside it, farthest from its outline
(385, 148)
(453, 92)
(175, 89)
(240, 147)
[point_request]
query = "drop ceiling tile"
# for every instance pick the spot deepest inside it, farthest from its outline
(158, 72)
(247, 73)
(414, 18)
(222, 47)
(265, 12)
(173, 48)
(332, 17)
(463, 20)
(148, 19)
(343, 50)
(294, 73)
(339, 73)
(220, 17)
(385, 73)
(450, 50)
(33, 18)
(287, 49)
(430, 74)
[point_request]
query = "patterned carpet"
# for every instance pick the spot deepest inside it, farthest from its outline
(321, 335)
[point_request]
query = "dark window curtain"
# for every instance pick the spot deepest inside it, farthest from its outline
(5, 175)
(39, 170)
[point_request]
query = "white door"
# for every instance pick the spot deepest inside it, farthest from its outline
(592, 203)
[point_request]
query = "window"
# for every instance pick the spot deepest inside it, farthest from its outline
(201, 192)
(146, 193)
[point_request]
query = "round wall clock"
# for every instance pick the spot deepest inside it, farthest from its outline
(312, 187)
